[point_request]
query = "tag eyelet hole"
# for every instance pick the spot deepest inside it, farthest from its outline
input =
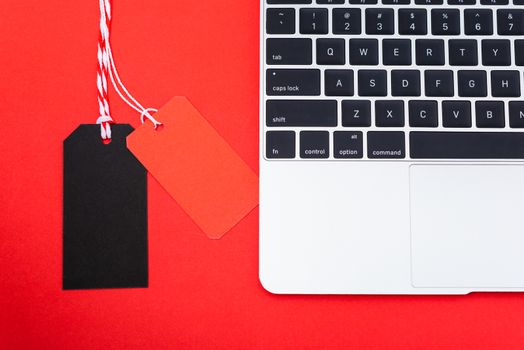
(106, 141)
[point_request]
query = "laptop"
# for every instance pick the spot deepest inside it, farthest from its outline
(392, 146)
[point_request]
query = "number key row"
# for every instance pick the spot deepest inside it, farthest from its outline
(382, 21)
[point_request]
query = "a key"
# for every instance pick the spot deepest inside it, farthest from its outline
(472, 83)
(380, 21)
(510, 22)
(389, 113)
(372, 82)
(430, 52)
(505, 83)
(496, 52)
(519, 52)
(405, 83)
(280, 144)
(301, 113)
(280, 21)
(331, 51)
(363, 51)
(412, 22)
(439, 83)
(490, 114)
(339, 82)
(423, 114)
(356, 113)
(386, 144)
(463, 52)
(348, 144)
(456, 114)
(314, 144)
(445, 22)
(478, 22)
(313, 21)
(289, 51)
(396, 52)
(516, 114)
(347, 21)
(305, 82)
(466, 145)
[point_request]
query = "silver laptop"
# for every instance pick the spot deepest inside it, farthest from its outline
(392, 146)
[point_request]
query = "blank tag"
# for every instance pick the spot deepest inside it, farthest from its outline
(105, 212)
(196, 167)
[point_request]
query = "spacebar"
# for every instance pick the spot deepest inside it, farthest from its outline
(466, 145)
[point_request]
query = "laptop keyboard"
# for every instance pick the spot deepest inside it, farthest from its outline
(394, 79)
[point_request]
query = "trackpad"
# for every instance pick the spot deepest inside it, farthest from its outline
(467, 225)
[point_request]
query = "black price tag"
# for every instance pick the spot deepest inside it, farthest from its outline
(105, 212)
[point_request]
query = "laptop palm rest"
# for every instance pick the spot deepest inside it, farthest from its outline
(467, 226)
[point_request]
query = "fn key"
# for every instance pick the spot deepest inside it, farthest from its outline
(280, 144)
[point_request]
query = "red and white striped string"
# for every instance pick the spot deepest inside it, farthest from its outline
(107, 72)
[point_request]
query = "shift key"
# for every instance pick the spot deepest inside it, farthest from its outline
(301, 113)
(305, 82)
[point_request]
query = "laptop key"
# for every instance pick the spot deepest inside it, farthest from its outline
(510, 22)
(331, 51)
(280, 144)
(439, 83)
(314, 144)
(496, 53)
(389, 113)
(430, 52)
(412, 22)
(301, 113)
(466, 145)
(490, 114)
(463, 52)
(445, 22)
(347, 21)
(405, 83)
(386, 145)
(456, 114)
(348, 144)
(289, 51)
(519, 52)
(363, 51)
(423, 114)
(516, 114)
(505, 83)
(472, 83)
(380, 21)
(396, 52)
(305, 82)
(313, 21)
(372, 82)
(280, 21)
(338, 82)
(478, 22)
(356, 113)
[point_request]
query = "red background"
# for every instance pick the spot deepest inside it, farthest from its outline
(203, 294)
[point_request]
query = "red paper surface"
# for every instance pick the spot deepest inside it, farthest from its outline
(197, 167)
(203, 294)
